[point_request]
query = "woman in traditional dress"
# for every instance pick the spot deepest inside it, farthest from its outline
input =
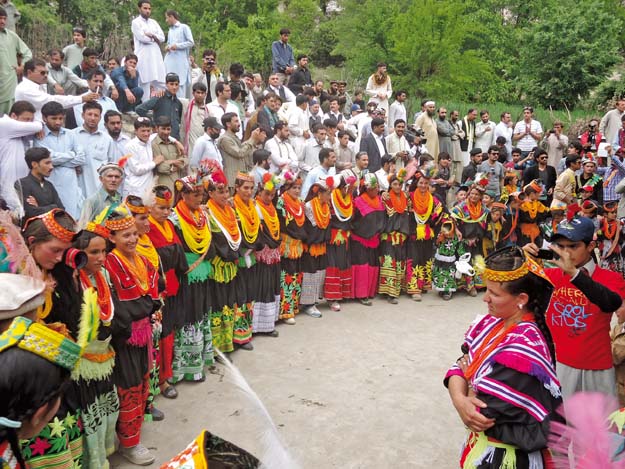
(34, 375)
(230, 323)
(193, 341)
(292, 218)
(426, 211)
(174, 266)
(470, 217)
(146, 249)
(367, 224)
(393, 240)
(338, 284)
(314, 260)
(531, 214)
(267, 306)
(504, 386)
(247, 278)
(99, 403)
(610, 237)
(49, 237)
(135, 297)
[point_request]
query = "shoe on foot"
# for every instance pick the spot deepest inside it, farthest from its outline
(446, 296)
(392, 300)
(170, 392)
(289, 321)
(365, 301)
(273, 333)
(157, 415)
(138, 455)
(416, 297)
(313, 312)
(472, 292)
(335, 306)
(247, 346)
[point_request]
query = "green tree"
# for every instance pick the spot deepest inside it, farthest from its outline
(564, 55)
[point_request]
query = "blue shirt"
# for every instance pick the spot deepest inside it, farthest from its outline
(314, 176)
(107, 105)
(99, 150)
(281, 56)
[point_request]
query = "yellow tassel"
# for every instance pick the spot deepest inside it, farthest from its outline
(89, 318)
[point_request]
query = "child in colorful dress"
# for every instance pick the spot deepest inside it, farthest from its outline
(532, 213)
(610, 237)
(494, 238)
(449, 249)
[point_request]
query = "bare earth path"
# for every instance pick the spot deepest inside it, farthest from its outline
(361, 388)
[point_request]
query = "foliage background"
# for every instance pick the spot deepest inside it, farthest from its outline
(559, 54)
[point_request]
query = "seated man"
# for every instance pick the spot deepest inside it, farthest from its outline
(126, 80)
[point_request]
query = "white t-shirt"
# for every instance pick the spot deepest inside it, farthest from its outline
(527, 142)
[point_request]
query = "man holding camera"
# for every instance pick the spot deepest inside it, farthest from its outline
(556, 143)
(591, 138)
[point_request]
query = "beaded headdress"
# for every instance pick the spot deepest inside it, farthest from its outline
(135, 205)
(125, 221)
(270, 182)
(245, 177)
(53, 226)
(528, 266)
(163, 196)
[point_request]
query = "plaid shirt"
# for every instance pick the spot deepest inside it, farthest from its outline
(609, 194)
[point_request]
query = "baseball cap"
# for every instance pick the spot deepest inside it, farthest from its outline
(356, 107)
(213, 123)
(578, 229)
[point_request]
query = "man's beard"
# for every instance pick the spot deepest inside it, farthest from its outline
(442, 118)
(431, 113)
(380, 78)
(115, 133)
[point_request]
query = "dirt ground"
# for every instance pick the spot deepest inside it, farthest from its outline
(359, 388)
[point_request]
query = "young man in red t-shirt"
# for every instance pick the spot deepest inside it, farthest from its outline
(580, 311)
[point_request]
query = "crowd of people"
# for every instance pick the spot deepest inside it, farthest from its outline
(235, 205)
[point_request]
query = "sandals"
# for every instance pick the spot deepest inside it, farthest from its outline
(170, 392)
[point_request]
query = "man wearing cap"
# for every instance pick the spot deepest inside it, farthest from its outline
(11, 47)
(167, 105)
(426, 123)
(300, 77)
(174, 162)
(206, 146)
(148, 36)
(379, 87)
(527, 132)
(580, 311)
(111, 177)
(470, 170)
(565, 184)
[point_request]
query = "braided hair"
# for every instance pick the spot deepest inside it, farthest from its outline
(537, 289)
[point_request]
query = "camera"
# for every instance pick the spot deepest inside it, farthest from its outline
(412, 132)
(210, 61)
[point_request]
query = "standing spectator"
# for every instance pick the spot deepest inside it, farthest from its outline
(179, 45)
(33, 89)
(95, 82)
(564, 190)
(174, 162)
(211, 75)
(397, 145)
(11, 46)
(194, 113)
(140, 165)
(345, 154)
(484, 131)
(283, 156)
(148, 35)
(221, 105)
(545, 173)
(301, 77)
(398, 109)
(612, 176)
(73, 52)
(237, 155)
(456, 150)
(90, 64)
(588, 178)
(494, 171)
(14, 128)
(13, 15)
(97, 145)
(555, 142)
(426, 122)
(467, 143)
(345, 98)
(445, 131)
(379, 87)
(113, 125)
(167, 105)
(590, 139)
(276, 86)
(334, 113)
(504, 129)
(268, 115)
(37, 195)
(299, 124)
(206, 145)
(126, 80)
(325, 168)
(282, 60)
(111, 176)
(310, 155)
(611, 121)
(527, 132)
(61, 80)
(375, 145)
(470, 170)
(67, 157)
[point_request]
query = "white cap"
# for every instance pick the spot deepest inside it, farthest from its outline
(19, 295)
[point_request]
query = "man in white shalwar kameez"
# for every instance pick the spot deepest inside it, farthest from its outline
(379, 88)
(179, 45)
(148, 35)
(15, 129)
